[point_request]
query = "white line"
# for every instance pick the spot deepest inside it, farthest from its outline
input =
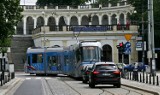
(47, 78)
(38, 78)
(28, 78)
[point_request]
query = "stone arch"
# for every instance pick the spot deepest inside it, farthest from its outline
(107, 53)
(56, 46)
(19, 28)
(128, 16)
(85, 20)
(121, 19)
(105, 20)
(52, 23)
(74, 20)
(95, 20)
(29, 25)
(114, 19)
(62, 23)
(40, 21)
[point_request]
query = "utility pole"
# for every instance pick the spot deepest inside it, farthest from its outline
(143, 53)
(151, 49)
(152, 38)
(149, 39)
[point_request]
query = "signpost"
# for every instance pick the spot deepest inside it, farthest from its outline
(128, 36)
(127, 49)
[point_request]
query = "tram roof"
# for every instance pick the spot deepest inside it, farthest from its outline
(35, 50)
(57, 49)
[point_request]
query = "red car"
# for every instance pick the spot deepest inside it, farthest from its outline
(105, 73)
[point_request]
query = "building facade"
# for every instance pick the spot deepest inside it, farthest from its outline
(58, 25)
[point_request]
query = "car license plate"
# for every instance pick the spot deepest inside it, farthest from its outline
(105, 74)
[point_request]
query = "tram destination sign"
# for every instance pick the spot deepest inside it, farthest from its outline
(100, 28)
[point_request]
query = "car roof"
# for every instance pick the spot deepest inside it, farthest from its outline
(98, 63)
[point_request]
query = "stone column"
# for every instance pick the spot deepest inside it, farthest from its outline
(109, 19)
(125, 18)
(24, 25)
(79, 20)
(100, 20)
(118, 20)
(115, 54)
(35, 22)
(134, 54)
(57, 20)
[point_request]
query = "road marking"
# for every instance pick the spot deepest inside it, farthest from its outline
(47, 78)
(38, 78)
(28, 78)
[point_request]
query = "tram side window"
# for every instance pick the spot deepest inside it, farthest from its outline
(37, 58)
(52, 60)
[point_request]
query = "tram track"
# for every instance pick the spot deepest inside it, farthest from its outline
(128, 91)
(71, 87)
(124, 90)
(47, 88)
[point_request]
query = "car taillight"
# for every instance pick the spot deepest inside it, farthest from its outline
(95, 72)
(117, 72)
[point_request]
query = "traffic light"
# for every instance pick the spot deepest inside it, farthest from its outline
(121, 47)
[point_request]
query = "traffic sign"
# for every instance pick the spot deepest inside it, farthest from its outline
(128, 36)
(127, 49)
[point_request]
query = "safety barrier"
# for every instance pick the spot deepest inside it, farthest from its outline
(142, 77)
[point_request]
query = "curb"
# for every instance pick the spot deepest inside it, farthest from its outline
(145, 90)
(8, 86)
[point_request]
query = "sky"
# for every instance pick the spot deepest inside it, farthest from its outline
(28, 2)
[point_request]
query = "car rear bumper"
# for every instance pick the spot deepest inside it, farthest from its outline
(107, 81)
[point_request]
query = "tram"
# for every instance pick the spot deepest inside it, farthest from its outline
(65, 60)
(82, 54)
(44, 60)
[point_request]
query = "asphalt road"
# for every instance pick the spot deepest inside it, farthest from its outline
(30, 87)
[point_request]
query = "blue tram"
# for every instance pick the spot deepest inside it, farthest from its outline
(82, 54)
(44, 60)
(66, 60)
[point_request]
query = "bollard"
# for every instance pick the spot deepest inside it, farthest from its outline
(140, 78)
(130, 76)
(153, 80)
(150, 79)
(143, 76)
(146, 78)
(157, 81)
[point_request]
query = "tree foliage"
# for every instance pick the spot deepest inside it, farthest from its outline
(59, 2)
(141, 6)
(108, 1)
(10, 15)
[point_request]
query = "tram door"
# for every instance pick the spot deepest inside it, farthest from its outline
(65, 64)
(52, 63)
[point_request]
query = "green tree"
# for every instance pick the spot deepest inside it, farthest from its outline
(10, 14)
(141, 6)
(59, 2)
(108, 1)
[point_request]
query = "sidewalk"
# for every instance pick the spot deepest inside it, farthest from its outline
(142, 86)
(8, 86)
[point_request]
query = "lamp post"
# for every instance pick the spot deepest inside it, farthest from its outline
(44, 42)
(44, 33)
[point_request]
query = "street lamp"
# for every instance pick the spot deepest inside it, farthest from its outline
(44, 33)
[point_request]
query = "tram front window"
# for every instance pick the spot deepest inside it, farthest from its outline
(90, 53)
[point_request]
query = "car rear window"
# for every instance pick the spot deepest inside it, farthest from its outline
(106, 67)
